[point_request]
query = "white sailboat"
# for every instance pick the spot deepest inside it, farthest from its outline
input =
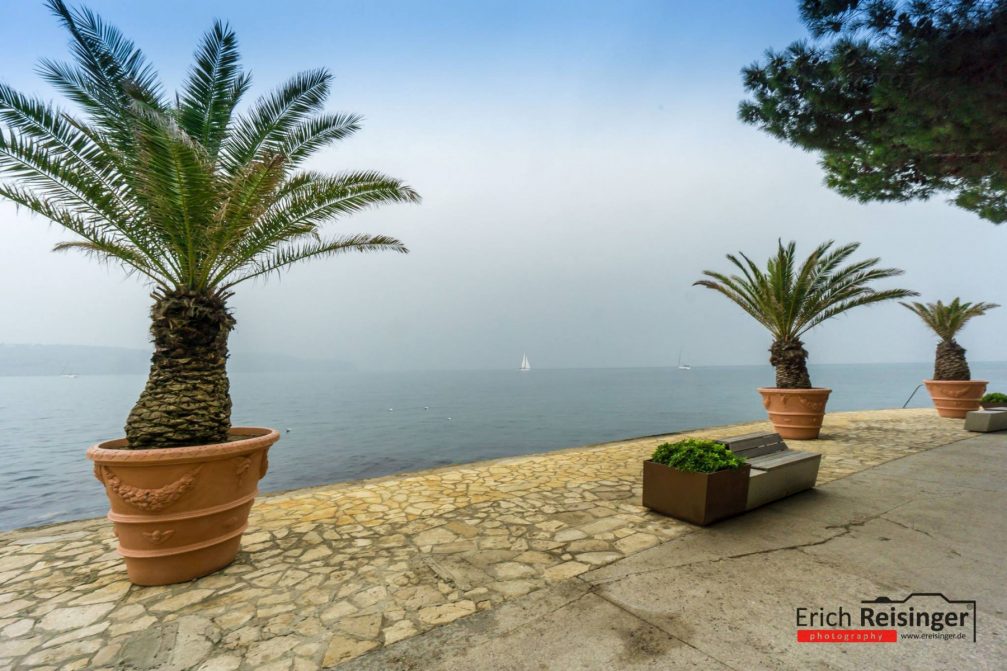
(525, 366)
(682, 366)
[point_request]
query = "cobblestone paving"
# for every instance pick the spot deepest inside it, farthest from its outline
(329, 573)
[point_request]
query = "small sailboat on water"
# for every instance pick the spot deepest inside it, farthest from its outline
(525, 366)
(682, 366)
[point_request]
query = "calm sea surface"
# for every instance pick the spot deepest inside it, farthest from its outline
(346, 426)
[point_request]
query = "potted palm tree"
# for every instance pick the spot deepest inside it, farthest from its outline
(195, 198)
(952, 389)
(790, 300)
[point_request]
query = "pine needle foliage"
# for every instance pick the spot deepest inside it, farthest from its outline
(901, 99)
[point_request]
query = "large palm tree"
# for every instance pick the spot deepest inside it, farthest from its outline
(947, 320)
(187, 191)
(790, 300)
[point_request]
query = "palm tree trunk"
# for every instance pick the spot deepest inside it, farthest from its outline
(187, 399)
(950, 363)
(791, 362)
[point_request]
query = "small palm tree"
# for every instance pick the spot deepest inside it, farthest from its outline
(947, 320)
(790, 300)
(186, 192)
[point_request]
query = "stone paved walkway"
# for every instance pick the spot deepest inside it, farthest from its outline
(330, 573)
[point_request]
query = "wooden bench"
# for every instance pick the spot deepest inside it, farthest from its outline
(777, 471)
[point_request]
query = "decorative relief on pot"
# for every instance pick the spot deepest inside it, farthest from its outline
(244, 463)
(812, 404)
(151, 500)
(958, 392)
(263, 466)
(773, 399)
(231, 522)
(98, 475)
(158, 536)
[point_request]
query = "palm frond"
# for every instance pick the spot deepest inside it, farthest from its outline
(737, 292)
(864, 298)
(177, 188)
(109, 252)
(790, 299)
(290, 254)
(265, 128)
(182, 189)
(44, 171)
(66, 139)
(213, 88)
(316, 200)
(312, 134)
(948, 319)
(245, 197)
(110, 71)
(103, 239)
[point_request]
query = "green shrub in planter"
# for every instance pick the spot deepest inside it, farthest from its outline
(697, 456)
(994, 397)
(699, 481)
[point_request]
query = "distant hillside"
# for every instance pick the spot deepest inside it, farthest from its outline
(83, 360)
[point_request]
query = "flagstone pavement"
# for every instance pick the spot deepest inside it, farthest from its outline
(330, 573)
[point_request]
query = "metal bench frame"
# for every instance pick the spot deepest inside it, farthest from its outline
(777, 471)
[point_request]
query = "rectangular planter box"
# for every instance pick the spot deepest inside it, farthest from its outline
(700, 498)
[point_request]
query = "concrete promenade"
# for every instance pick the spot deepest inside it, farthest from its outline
(726, 597)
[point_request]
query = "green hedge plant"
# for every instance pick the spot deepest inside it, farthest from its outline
(696, 455)
(994, 397)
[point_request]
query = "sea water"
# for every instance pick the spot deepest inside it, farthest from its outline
(351, 425)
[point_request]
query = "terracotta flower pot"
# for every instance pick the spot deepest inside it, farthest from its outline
(179, 512)
(796, 413)
(955, 398)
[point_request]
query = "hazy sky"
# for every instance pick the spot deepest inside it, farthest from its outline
(580, 164)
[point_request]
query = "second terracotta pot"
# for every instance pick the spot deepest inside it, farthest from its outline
(796, 413)
(955, 398)
(179, 512)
